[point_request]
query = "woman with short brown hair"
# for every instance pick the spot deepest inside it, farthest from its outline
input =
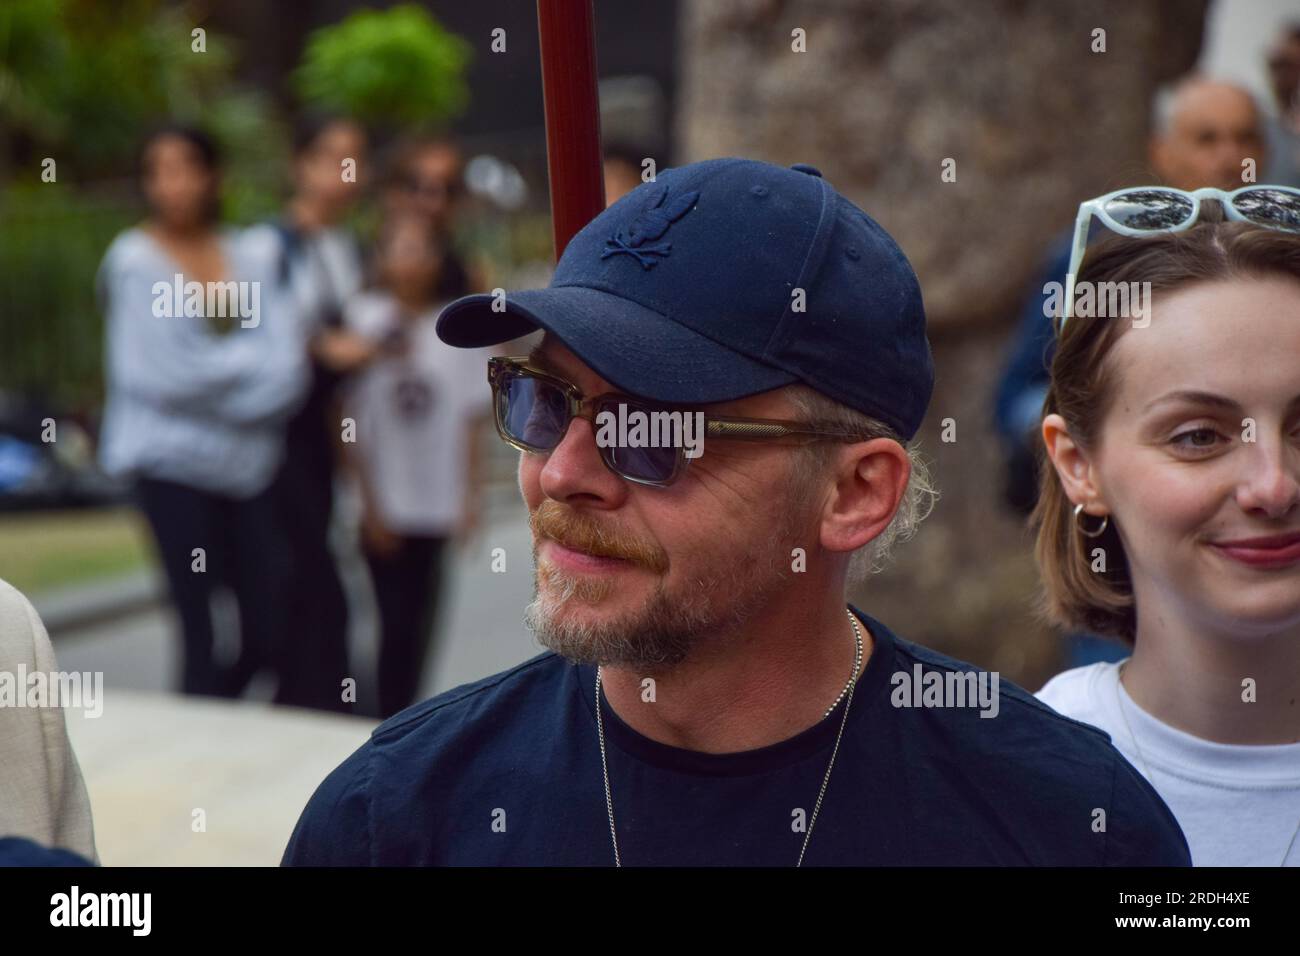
(1170, 517)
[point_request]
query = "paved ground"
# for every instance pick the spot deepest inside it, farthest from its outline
(178, 781)
(153, 758)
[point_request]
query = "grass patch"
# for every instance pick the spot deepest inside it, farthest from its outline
(51, 549)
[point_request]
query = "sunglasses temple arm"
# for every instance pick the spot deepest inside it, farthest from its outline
(1081, 225)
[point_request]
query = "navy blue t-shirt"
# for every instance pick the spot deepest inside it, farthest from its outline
(506, 771)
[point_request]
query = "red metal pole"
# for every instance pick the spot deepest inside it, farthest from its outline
(568, 45)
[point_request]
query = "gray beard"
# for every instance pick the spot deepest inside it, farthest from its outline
(665, 629)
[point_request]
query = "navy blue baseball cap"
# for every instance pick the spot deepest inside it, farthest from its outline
(725, 278)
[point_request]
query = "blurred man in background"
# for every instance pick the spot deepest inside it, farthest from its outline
(427, 177)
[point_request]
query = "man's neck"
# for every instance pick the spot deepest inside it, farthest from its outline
(750, 689)
(1192, 678)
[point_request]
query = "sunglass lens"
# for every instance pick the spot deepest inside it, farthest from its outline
(1150, 209)
(1276, 208)
(649, 460)
(532, 412)
(654, 465)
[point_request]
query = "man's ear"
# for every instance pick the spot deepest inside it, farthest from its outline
(870, 478)
(1073, 466)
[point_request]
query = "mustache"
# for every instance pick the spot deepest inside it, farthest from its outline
(581, 532)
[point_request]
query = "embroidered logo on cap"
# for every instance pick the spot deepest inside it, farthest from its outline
(650, 225)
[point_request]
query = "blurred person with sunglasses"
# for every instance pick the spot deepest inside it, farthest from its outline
(697, 704)
(426, 177)
(1169, 516)
(416, 457)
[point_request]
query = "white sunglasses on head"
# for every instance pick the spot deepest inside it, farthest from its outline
(1142, 210)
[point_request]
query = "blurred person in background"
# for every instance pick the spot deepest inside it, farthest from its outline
(426, 177)
(318, 264)
(1203, 130)
(418, 409)
(196, 404)
(1148, 458)
(42, 794)
(1284, 124)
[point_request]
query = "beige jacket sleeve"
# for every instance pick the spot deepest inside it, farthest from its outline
(42, 794)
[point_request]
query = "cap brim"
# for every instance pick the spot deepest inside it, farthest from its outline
(636, 349)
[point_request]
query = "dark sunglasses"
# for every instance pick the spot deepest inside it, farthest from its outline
(432, 188)
(533, 410)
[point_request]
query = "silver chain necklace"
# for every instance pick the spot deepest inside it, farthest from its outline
(848, 689)
(1119, 703)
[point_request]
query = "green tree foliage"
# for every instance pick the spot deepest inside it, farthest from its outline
(396, 67)
(79, 79)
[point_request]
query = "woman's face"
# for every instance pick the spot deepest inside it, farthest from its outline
(1198, 458)
(177, 185)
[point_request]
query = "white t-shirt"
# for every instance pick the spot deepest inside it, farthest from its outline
(412, 415)
(1237, 804)
(185, 404)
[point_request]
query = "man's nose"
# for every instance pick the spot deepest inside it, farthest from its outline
(574, 470)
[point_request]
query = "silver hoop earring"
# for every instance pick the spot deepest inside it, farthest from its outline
(1078, 513)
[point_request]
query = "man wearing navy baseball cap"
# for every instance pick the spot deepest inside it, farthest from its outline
(716, 440)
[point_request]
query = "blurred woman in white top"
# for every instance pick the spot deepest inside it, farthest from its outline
(204, 365)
